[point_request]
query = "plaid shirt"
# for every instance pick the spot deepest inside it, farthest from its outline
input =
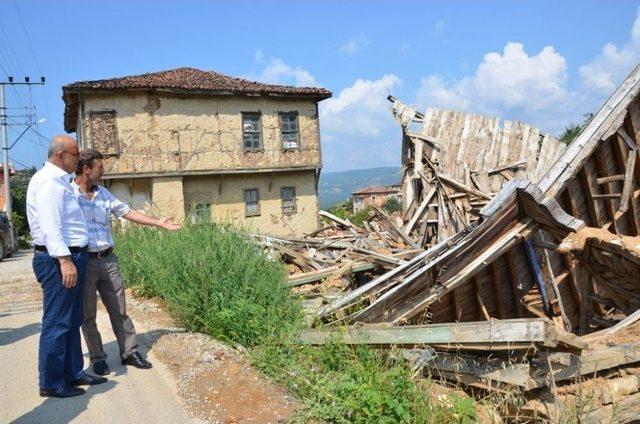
(97, 213)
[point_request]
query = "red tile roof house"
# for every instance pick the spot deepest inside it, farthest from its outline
(375, 195)
(203, 145)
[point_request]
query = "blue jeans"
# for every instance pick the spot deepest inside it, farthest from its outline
(60, 354)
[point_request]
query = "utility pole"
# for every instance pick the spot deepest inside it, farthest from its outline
(5, 148)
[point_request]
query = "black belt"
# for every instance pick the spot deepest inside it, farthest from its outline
(72, 249)
(101, 254)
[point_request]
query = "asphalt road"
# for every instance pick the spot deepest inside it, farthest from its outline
(130, 395)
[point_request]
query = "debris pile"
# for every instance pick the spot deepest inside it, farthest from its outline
(510, 277)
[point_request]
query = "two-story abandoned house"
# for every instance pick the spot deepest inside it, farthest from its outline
(203, 145)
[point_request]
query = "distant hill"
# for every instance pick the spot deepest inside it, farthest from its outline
(336, 187)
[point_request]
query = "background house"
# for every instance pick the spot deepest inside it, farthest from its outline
(205, 145)
(375, 196)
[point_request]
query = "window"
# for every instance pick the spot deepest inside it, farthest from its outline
(201, 213)
(289, 130)
(288, 195)
(251, 137)
(251, 202)
(104, 136)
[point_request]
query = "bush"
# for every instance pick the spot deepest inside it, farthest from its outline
(213, 279)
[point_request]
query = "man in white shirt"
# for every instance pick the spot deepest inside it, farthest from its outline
(60, 238)
(103, 273)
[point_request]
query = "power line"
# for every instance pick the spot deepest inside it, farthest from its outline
(27, 36)
(35, 60)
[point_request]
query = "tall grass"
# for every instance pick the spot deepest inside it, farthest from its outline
(216, 281)
(213, 279)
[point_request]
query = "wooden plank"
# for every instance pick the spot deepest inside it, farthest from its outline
(627, 139)
(612, 178)
(532, 330)
(420, 211)
(607, 196)
(334, 218)
(461, 187)
(628, 184)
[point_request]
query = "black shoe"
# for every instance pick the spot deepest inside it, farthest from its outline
(61, 393)
(88, 380)
(136, 360)
(101, 368)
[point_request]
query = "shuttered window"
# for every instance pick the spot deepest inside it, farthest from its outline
(252, 202)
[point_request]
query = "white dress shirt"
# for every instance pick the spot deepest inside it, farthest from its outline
(97, 212)
(55, 218)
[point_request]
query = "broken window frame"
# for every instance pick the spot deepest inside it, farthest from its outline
(289, 203)
(112, 150)
(289, 144)
(250, 204)
(252, 147)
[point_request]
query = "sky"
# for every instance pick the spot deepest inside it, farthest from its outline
(546, 63)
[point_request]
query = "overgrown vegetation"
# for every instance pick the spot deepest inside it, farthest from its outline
(218, 282)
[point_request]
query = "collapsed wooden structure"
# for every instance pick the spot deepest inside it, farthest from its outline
(542, 265)
(455, 162)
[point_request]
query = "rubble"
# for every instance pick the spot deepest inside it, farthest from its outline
(515, 267)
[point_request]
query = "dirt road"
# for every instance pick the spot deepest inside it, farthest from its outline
(130, 395)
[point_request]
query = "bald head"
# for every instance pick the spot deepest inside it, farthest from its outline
(63, 152)
(60, 143)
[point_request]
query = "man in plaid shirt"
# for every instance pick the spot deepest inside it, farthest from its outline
(103, 274)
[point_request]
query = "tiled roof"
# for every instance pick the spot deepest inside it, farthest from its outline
(182, 80)
(376, 190)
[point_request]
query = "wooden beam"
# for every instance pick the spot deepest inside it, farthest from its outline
(586, 179)
(628, 184)
(627, 139)
(520, 330)
(607, 196)
(481, 305)
(461, 187)
(610, 179)
(623, 162)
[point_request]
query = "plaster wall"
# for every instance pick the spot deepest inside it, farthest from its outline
(169, 134)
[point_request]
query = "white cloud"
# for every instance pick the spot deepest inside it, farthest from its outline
(278, 72)
(512, 85)
(358, 108)
(355, 44)
(611, 66)
(358, 130)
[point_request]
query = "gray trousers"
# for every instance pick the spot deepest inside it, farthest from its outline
(103, 276)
